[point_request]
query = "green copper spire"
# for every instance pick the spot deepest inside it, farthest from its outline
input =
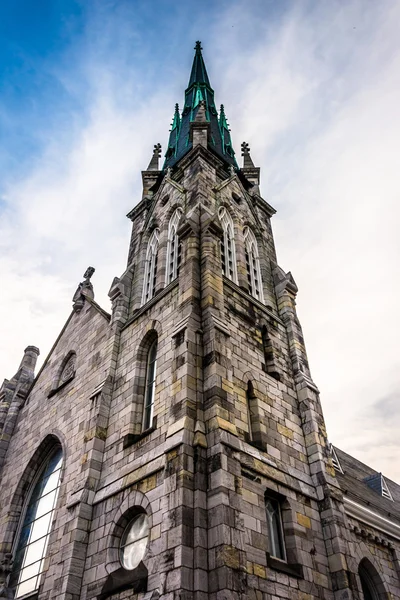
(199, 72)
(174, 133)
(199, 90)
(225, 133)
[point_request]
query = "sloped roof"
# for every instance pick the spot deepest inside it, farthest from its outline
(353, 484)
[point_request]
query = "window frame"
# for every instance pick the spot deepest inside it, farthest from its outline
(150, 270)
(151, 368)
(253, 264)
(173, 248)
(290, 564)
(124, 545)
(228, 248)
(280, 531)
(21, 524)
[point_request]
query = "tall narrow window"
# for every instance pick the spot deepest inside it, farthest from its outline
(150, 271)
(253, 264)
(249, 397)
(275, 528)
(35, 531)
(150, 386)
(269, 357)
(367, 578)
(173, 248)
(228, 254)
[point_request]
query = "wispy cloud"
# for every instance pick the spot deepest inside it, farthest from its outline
(314, 88)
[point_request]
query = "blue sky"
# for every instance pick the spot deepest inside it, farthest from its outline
(87, 89)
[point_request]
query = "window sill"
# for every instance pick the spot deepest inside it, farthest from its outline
(58, 388)
(132, 438)
(295, 570)
(30, 596)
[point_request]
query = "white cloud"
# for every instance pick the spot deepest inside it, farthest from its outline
(316, 93)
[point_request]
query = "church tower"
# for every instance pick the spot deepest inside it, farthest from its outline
(182, 434)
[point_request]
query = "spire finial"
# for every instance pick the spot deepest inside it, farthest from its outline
(245, 148)
(198, 47)
(153, 165)
(247, 160)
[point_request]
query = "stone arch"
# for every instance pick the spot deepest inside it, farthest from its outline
(151, 332)
(18, 500)
(170, 212)
(228, 243)
(71, 354)
(369, 562)
(133, 503)
(233, 214)
(371, 582)
(173, 249)
(256, 435)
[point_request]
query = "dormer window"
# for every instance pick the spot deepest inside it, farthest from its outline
(335, 461)
(377, 482)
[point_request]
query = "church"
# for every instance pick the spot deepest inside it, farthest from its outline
(175, 448)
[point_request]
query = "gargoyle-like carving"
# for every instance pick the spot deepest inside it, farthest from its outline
(85, 288)
(5, 570)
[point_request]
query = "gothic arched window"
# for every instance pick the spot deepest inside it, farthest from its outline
(68, 369)
(369, 578)
(228, 253)
(253, 264)
(35, 528)
(173, 248)
(150, 270)
(275, 527)
(150, 386)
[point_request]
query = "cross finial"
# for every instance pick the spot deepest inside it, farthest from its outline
(198, 47)
(88, 273)
(245, 148)
(157, 150)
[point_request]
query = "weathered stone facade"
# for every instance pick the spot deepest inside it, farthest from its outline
(235, 416)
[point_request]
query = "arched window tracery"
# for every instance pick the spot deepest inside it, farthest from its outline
(173, 248)
(253, 264)
(150, 271)
(228, 252)
(35, 527)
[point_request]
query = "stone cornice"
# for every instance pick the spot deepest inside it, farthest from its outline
(371, 518)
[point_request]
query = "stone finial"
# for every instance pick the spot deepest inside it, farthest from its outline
(154, 163)
(251, 172)
(84, 289)
(247, 161)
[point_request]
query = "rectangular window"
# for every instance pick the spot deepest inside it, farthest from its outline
(275, 528)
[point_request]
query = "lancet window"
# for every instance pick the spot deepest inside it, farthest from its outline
(228, 254)
(150, 386)
(173, 248)
(35, 528)
(253, 264)
(150, 271)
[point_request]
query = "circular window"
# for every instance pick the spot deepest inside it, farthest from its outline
(134, 541)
